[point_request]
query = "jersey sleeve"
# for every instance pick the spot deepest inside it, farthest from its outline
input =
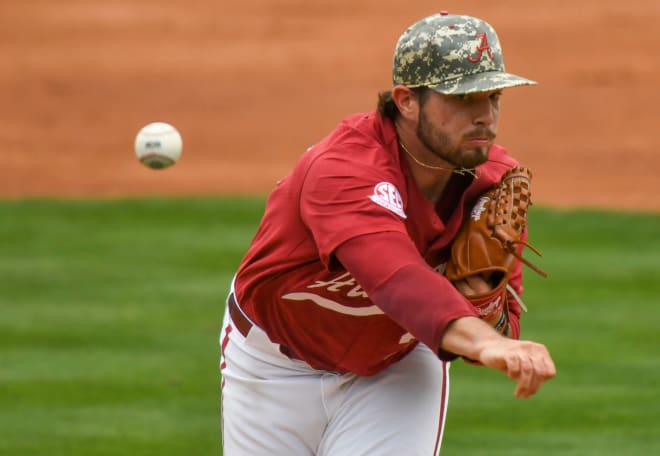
(338, 202)
(402, 285)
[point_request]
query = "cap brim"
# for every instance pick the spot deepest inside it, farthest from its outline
(481, 82)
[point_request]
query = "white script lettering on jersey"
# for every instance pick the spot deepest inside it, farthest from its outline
(347, 285)
(334, 305)
(388, 196)
(345, 280)
(344, 284)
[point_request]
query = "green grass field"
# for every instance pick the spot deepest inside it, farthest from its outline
(111, 311)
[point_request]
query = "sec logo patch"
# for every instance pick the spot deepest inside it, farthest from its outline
(387, 195)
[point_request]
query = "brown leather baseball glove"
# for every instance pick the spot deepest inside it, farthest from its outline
(488, 244)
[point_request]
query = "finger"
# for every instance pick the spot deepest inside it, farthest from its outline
(512, 367)
(463, 287)
(549, 367)
(527, 383)
(478, 284)
(541, 369)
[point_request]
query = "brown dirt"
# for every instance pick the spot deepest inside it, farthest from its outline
(251, 84)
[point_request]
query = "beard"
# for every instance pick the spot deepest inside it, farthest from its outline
(440, 144)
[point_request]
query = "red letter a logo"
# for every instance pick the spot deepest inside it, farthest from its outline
(483, 46)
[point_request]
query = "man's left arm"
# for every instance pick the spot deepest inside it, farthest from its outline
(486, 255)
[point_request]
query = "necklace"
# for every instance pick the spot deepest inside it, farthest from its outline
(461, 171)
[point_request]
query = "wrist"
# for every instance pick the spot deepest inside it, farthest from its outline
(469, 337)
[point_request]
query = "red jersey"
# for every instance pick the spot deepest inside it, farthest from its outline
(356, 182)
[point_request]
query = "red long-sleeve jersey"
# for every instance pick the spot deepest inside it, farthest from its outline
(345, 267)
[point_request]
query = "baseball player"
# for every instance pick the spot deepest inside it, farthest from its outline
(340, 325)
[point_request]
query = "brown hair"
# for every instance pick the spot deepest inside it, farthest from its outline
(388, 108)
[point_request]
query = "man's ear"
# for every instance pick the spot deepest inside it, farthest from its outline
(407, 102)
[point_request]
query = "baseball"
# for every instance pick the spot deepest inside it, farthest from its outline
(158, 145)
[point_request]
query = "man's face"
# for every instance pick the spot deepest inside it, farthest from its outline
(459, 128)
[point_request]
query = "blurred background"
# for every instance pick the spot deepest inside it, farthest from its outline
(113, 276)
(251, 84)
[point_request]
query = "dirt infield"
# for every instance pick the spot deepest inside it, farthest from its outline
(251, 84)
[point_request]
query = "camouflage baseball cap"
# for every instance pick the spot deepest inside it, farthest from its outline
(452, 55)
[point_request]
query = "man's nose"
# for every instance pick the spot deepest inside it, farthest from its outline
(484, 113)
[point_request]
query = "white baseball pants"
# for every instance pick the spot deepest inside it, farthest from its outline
(276, 406)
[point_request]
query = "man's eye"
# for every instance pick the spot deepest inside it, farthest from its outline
(496, 96)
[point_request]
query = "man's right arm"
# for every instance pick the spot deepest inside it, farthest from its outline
(424, 302)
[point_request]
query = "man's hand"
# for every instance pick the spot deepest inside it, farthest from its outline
(473, 285)
(527, 363)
